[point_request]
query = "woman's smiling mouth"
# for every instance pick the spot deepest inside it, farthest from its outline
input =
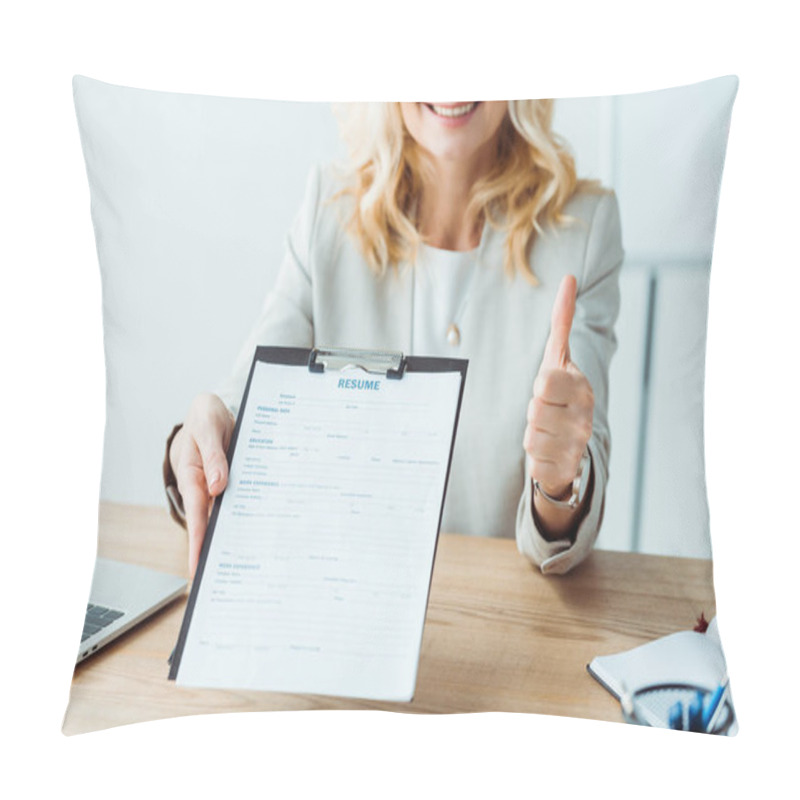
(452, 110)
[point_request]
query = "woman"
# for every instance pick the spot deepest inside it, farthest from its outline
(457, 229)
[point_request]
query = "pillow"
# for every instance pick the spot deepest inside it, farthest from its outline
(193, 198)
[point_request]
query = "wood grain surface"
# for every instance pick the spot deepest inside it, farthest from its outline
(499, 635)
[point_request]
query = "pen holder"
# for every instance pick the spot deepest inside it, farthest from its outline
(677, 706)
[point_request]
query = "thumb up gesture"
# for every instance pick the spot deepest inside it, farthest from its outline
(561, 409)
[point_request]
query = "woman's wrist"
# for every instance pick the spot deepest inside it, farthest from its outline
(554, 516)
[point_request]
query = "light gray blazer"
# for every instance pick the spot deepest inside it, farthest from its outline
(325, 295)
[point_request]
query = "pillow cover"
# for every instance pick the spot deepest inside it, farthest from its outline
(192, 198)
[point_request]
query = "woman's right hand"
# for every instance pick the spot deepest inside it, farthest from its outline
(198, 460)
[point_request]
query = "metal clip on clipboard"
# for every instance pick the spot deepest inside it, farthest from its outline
(390, 363)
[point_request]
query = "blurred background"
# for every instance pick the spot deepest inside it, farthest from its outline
(192, 199)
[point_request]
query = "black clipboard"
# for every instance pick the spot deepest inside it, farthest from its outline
(394, 365)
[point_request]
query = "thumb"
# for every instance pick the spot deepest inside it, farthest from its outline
(215, 463)
(556, 353)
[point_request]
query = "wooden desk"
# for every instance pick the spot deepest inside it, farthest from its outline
(499, 636)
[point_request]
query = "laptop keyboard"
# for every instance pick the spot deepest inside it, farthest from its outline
(97, 617)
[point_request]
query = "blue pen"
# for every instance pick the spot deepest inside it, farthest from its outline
(676, 716)
(710, 713)
(696, 713)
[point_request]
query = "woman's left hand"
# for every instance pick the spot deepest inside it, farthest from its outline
(560, 411)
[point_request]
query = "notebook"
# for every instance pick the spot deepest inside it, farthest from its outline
(683, 658)
(123, 595)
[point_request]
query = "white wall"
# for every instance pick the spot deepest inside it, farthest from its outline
(662, 152)
(238, 168)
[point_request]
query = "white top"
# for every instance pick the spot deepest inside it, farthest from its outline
(442, 283)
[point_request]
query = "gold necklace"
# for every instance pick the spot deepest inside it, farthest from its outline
(453, 332)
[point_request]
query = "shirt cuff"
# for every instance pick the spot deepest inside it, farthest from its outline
(561, 555)
(174, 499)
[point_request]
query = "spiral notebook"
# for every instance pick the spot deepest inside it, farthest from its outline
(685, 657)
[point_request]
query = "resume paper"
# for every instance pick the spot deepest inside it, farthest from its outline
(317, 575)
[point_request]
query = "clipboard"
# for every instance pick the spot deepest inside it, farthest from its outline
(333, 452)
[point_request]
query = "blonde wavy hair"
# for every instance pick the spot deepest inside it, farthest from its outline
(525, 191)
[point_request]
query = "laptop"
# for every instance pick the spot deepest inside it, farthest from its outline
(123, 595)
